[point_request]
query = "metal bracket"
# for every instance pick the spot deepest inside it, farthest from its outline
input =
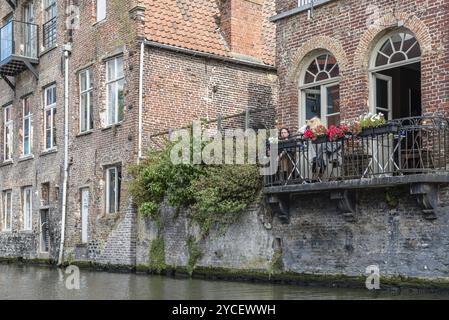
(280, 204)
(32, 69)
(10, 84)
(346, 203)
(427, 197)
(12, 3)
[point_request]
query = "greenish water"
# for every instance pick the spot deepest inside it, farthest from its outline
(31, 282)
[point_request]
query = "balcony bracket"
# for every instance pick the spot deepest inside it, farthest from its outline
(280, 204)
(12, 3)
(346, 203)
(8, 82)
(427, 197)
(32, 69)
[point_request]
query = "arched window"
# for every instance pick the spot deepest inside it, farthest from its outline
(395, 75)
(320, 90)
(398, 47)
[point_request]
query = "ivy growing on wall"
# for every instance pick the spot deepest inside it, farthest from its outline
(216, 194)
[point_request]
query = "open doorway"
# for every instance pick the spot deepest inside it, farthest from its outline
(396, 76)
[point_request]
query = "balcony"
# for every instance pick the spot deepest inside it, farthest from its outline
(411, 151)
(18, 48)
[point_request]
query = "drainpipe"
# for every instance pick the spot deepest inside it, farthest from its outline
(67, 49)
(142, 53)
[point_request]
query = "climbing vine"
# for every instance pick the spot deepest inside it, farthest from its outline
(216, 194)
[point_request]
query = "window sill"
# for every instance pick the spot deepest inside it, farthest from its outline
(49, 151)
(112, 126)
(43, 53)
(26, 232)
(7, 231)
(6, 163)
(99, 23)
(26, 157)
(85, 133)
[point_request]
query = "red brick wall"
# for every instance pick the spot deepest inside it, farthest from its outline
(180, 88)
(350, 29)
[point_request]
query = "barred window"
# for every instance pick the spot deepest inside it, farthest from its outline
(49, 28)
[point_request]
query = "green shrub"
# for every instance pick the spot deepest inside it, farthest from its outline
(216, 194)
(157, 255)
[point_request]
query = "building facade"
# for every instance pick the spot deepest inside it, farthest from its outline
(135, 68)
(32, 128)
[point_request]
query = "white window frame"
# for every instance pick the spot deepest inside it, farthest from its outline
(88, 93)
(113, 82)
(7, 211)
(101, 9)
(323, 85)
(27, 209)
(8, 125)
(52, 108)
(373, 70)
(116, 190)
(27, 117)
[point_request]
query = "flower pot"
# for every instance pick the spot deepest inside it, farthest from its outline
(366, 132)
(320, 139)
(386, 129)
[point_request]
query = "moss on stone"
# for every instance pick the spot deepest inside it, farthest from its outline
(157, 255)
(194, 253)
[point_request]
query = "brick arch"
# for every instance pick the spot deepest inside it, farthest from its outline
(381, 27)
(310, 47)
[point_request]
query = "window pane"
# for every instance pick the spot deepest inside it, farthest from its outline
(101, 10)
(121, 99)
(119, 67)
(90, 114)
(111, 102)
(83, 81)
(333, 99)
(313, 102)
(83, 116)
(112, 191)
(382, 93)
(110, 65)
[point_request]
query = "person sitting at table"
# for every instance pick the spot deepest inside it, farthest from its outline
(286, 155)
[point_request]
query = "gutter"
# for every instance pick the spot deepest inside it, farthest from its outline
(201, 54)
(141, 68)
(67, 50)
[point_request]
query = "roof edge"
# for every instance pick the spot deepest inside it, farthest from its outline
(202, 54)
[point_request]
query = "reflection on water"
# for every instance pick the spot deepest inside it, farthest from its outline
(30, 282)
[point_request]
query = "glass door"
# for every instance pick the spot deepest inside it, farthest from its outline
(383, 95)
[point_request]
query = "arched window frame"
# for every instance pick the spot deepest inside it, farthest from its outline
(373, 69)
(323, 84)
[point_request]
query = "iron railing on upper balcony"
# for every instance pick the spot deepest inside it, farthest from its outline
(401, 147)
(18, 39)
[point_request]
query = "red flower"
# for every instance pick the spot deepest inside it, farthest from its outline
(335, 133)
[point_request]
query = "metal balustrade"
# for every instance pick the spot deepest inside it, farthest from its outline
(407, 146)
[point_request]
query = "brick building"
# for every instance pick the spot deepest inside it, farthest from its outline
(32, 128)
(355, 37)
(135, 68)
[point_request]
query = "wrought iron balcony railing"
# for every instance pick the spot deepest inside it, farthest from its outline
(401, 147)
(18, 47)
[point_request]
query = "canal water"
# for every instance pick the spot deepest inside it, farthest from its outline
(31, 282)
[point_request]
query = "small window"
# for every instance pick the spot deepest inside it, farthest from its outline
(45, 194)
(101, 10)
(27, 127)
(113, 178)
(7, 133)
(49, 117)
(7, 211)
(115, 82)
(49, 27)
(27, 199)
(86, 100)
